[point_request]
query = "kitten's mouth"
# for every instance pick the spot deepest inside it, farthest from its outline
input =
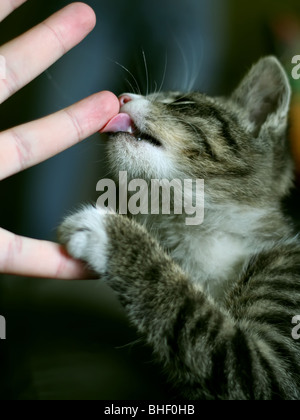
(123, 123)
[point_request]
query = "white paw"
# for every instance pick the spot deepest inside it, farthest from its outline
(84, 235)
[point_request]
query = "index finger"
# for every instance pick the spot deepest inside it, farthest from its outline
(8, 6)
(34, 142)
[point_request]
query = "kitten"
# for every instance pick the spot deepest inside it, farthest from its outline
(215, 301)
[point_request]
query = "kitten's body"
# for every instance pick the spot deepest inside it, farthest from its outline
(214, 301)
(214, 253)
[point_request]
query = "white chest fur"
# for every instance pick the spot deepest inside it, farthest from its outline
(212, 261)
(213, 255)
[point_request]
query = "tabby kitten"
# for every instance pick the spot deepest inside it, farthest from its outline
(214, 301)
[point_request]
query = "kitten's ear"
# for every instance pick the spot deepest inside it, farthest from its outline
(265, 95)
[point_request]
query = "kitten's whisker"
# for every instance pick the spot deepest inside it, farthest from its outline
(130, 345)
(197, 60)
(146, 70)
(164, 74)
(163, 78)
(155, 93)
(131, 86)
(134, 79)
(185, 64)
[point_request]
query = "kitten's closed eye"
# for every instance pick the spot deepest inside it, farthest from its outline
(182, 101)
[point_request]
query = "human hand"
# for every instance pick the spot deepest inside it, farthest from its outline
(24, 146)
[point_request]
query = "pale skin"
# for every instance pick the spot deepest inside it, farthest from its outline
(26, 145)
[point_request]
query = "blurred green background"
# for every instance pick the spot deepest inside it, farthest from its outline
(71, 340)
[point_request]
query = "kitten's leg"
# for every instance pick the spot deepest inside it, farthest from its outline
(208, 351)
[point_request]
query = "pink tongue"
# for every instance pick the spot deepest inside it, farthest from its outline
(121, 122)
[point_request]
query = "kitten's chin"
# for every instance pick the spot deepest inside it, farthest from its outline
(140, 159)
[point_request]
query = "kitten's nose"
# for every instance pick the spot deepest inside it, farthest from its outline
(124, 99)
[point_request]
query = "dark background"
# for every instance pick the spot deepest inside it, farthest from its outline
(71, 340)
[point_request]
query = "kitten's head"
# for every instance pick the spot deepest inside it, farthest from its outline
(238, 145)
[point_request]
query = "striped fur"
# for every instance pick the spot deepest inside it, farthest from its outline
(220, 331)
(242, 349)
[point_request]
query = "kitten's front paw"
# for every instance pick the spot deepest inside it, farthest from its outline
(84, 235)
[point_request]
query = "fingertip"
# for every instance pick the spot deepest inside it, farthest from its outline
(86, 13)
(70, 269)
(92, 113)
(111, 102)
